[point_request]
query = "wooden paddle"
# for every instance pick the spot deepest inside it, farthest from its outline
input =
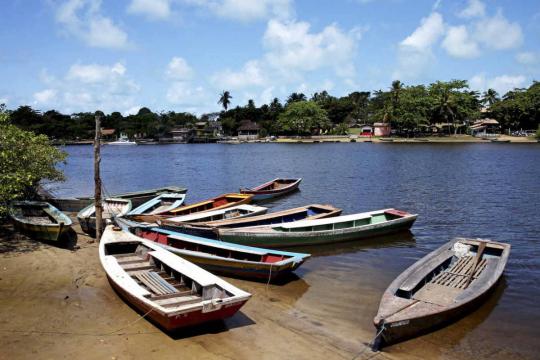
(479, 253)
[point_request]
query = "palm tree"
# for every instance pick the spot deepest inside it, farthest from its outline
(294, 97)
(225, 99)
(395, 90)
(446, 109)
(490, 97)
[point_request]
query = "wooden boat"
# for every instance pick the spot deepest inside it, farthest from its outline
(439, 288)
(208, 229)
(272, 189)
(39, 220)
(235, 212)
(219, 202)
(221, 257)
(321, 231)
(160, 203)
(111, 208)
(169, 290)
(501, 141)
(137, 198)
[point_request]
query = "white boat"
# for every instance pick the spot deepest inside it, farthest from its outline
(235, 212)
(160, 203)
(166, 288)
(122, 140)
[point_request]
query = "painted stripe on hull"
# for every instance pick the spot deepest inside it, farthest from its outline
(285, 239)
(50, 233)
(181, 320)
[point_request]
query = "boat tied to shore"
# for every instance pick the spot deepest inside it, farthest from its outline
(112, 208)
(167, 289)
(219, 202)
(220, 257)
(439, 288)
(272, 189)
(137, 198)
(208, 229)
(160, 203)
(39, 220)
(321, 231)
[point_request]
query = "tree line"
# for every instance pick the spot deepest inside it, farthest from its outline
(408, 108)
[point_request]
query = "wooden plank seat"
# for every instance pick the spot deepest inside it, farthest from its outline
(458, 275)
(155, 283)
(179, 301)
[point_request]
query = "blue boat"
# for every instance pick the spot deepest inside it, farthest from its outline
(160, 203)
(220, 257)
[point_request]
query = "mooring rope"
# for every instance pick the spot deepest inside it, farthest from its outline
(370, 344)
(85, 334)
(269, 276)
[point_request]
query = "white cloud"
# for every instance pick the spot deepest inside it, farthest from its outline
(459, 44)
(528, 58)
(291, 47)
(4, 100)
(251, 74)
(45, 96)
(179, 69)
(502, 84)
(414, 52)
(83, 19)
(94, 73)
(475, 8)
(427, 34)
(88, 87)
(191, 98)
(247, 10)
(152, 9)
(498, 33)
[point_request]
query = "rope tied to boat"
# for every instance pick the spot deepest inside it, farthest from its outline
(371, 344)
(269, 276)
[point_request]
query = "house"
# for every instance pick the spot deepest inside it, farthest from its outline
(248, 130)
(108, 134)
(381, 129)
(484, 127)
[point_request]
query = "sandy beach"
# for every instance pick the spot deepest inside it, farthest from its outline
(56, 303)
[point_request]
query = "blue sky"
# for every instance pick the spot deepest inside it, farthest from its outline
(83, 55)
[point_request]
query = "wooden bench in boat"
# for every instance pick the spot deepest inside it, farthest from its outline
(156, 283)
(447, 285)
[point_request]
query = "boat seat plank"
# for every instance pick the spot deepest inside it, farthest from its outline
(420, 273)
(155, 283)
(179, 301)
(437, 294)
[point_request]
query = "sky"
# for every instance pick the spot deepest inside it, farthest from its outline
(179, 55)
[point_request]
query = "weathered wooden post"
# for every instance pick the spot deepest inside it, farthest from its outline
(97, 178)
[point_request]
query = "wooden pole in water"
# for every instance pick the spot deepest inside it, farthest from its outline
(97, 178)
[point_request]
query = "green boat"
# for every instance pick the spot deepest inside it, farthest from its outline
(321, 231)
(39, 220)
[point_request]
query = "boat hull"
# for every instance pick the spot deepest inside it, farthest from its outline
(262, 195)
(174, 322)
(277, 239)
(42, 232)
(404, 330)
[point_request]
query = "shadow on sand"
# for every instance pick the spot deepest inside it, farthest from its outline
(13, 242)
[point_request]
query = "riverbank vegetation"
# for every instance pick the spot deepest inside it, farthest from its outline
(25, 160)
(410, 109)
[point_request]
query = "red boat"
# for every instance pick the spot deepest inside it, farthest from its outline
(272, 189)
(169, 290)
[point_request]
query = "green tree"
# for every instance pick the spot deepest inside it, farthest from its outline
(225, 99)
(490, 97)
(25, 160)
(303, 117)
(294, 97)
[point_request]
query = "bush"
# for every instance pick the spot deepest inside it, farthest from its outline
(25, 160)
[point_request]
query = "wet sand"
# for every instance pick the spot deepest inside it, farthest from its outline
(56, 303)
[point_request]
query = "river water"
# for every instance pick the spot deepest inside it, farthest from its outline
(471, 190)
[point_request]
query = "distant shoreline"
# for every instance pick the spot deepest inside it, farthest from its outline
(354, 139)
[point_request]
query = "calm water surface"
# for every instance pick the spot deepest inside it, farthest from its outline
(474, 190)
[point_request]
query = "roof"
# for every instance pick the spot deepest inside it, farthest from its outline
(107, 132)
(379, 124)
(487, 121)
(248, 125)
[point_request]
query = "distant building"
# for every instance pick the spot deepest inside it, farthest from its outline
(107, 134)
(248, 130)
(381, 129)
(366, 130)
(484, 127)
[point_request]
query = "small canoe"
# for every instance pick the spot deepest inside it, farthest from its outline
(272, 189)
(112, 208)
(500, 141)
(137, 198)
(221, 257)
(219, 202)
(235, 212)
(321, 231)
(160, 203)
(39, 220)
(439, 288)
(207, 229)
(169, 290)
